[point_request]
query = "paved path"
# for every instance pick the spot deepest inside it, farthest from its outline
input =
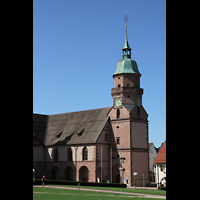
(147, 188)
(138, 194)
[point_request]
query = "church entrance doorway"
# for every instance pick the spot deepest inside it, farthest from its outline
(83, 174)
(69, 174)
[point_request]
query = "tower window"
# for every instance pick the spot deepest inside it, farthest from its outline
(138, 111)
(106, 137)
(118, 140)
(119, 85)
(118, 113)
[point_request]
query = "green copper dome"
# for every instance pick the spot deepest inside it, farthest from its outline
(126, 65)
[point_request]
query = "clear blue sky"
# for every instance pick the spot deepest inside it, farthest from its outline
(76, 47)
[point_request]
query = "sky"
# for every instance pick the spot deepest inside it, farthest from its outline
(76, 47)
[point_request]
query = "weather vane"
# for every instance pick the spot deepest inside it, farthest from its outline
(126, 18)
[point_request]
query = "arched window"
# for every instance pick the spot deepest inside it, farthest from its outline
(56, 154)
(85, 153)
(118, 113)
(69, 154)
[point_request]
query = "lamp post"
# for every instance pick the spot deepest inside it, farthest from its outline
(122, 161)
(33, 175)
(76, 147)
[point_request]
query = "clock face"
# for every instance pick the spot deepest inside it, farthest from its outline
(139, 102)
(117, 102)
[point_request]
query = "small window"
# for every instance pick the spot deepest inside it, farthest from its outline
(128, 96)
(119, 85)
(117, 126)
(128, 85)
(161, 168)
(118, 77)
(118, 140)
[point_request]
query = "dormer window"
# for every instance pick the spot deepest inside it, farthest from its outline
(59, 134)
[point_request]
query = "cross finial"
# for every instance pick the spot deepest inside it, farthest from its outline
(126, 18)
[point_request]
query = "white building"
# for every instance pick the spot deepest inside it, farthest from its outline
(160, 163)
(153, 152)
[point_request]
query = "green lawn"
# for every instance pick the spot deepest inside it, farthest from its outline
(133, 190)
(42, 193)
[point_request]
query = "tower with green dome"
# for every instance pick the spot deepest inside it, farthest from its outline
(129, 123)
(127, 89)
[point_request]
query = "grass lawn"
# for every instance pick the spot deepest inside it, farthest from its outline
(42, 193)
(133, 190)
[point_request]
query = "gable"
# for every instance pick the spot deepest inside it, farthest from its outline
(127, 111)
(100, 137)
(161, 157)
(124, 112)
(143, 113)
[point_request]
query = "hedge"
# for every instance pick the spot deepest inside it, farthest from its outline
(161, 188)
(64, 182)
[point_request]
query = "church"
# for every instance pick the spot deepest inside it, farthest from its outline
(101, 145)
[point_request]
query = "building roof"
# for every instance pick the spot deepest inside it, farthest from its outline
(157, 149)
(73, 128)
(39, 129)
(161, 157)
(126, 65)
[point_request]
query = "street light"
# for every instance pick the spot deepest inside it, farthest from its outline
(76, 147)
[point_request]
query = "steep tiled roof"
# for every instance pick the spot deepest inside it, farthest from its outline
(161, 157)
(39, 129)
(70, 128)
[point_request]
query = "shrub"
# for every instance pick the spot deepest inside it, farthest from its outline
(63, 182)
(161, 188)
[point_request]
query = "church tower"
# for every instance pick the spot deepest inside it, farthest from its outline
(129, 122)
(127, 89)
